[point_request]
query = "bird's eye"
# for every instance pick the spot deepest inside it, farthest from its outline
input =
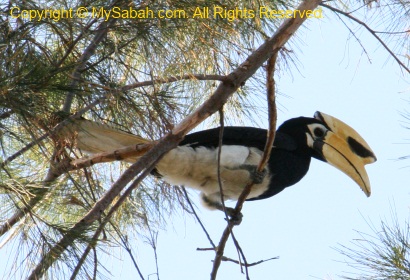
(319, 132)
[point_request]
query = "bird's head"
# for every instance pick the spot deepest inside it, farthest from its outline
(331, 140)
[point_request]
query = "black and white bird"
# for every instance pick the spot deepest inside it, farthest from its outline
(194, 162)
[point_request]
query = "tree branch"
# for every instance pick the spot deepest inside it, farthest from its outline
(197, 218)
(241, 254)
(371, 31)
(88, 52)
(199, 77)
(226, 259)
(119, 154)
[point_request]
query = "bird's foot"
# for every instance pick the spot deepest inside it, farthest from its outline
(234, 217)
(256, 175)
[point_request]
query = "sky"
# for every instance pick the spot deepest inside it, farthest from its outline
(304, 224)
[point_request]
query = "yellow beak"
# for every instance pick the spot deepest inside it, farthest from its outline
(346, 150)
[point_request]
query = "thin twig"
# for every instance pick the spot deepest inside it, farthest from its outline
(371, 31)
(107, 218)
(241, 256)
(153, 243)
(265, 157)
(200, 77)
(227, 218)
(83, 258)
(226, 259)
(220, 142)
(355, 36)
(134, 261)
(206, 249)
(198, 219)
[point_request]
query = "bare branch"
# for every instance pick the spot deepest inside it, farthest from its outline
(272, 112)
(72, 45)
(119, 154)
(197, 218)
(88, 52)
(371, 31)
(224, 208)
(129, 251)
(83, 257)
(199, 77)
(226, 259)
(241, 255)
(220, 184)
(205, 249)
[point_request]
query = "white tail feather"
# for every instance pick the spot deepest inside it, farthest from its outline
(94, 137)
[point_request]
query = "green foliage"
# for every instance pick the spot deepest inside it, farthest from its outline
(383, 255)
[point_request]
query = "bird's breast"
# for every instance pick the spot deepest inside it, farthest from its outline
(198, 168)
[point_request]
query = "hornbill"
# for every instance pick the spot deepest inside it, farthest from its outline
(194, 163)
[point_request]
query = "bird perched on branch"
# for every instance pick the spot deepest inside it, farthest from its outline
(194, 163)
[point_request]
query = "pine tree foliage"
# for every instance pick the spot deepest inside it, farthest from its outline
(140, 75)
(383, 254)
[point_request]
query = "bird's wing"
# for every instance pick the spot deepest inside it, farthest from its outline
(238, 135)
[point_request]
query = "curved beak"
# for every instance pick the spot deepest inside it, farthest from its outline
(345, 149)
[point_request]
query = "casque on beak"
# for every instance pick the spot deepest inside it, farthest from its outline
(345, 149)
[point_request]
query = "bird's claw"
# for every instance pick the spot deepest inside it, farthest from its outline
(234, 218)
(256, 175)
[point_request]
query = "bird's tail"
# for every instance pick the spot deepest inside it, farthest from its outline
(92, 137)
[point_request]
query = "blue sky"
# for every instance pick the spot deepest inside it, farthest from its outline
(303, 224)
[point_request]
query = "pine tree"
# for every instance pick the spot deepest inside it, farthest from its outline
(155, 77)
